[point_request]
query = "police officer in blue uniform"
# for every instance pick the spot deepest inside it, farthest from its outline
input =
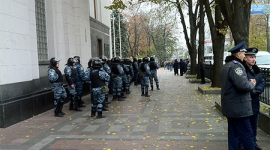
(153, 68)
(108, 70)
(254, 72)
(135, 67)
(236, 99)
(145, 71)
(117, 83)
(56, 79)
(98, 79)
(128, 69)
(79, 80)
(70, 74)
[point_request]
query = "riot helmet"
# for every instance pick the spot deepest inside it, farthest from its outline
(97, 63)
(127, 61)
(53, 62)
(90, 63)
(152, 58)
(135, 59)
(146, 59)
(103, 58)
(77, 59)
(70, 61)
(117, 59)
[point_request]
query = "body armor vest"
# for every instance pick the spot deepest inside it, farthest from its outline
(95, 79)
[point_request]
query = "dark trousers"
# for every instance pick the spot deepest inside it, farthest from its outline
(202, 76)
(254, 125)
(239, 129)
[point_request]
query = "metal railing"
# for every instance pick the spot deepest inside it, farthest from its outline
(265, 96)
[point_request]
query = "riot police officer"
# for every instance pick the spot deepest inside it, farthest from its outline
(128, 69)
(135, 67)
(70, 74)
(153, 69)
(145, 73)
(56, 79)
(117, 73)
(98, 78)
(107, 69)
(79, 80)
(236, 100)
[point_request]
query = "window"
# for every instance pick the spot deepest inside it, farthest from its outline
(41, 30)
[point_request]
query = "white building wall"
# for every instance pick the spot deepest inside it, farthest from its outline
(18, 41)
(68, 30)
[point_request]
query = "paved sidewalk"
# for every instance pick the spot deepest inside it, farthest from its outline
(177, 117)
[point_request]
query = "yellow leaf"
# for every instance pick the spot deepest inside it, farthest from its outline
(113, 133)
(27, 136)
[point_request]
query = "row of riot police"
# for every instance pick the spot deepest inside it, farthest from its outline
(103, 78)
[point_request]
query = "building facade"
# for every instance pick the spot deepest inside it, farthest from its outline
(32, 32)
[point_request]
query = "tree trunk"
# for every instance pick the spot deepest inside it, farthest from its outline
(237, 15)
(201, 40)
(218, 50)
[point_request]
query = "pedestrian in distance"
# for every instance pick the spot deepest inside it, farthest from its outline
(236, 99)
(176, 67)
(202, 70)
(182, 66)
(56, 80)
(254, 72)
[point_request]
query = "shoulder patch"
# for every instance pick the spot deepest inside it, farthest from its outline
(52, 72)
(238, 71)
(235, 62)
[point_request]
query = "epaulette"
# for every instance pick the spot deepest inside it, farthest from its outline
(235, 61)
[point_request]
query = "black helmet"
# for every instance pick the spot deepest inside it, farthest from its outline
(146, 59)
(90, 63)
(103, 58)
(97, 63)
(70, 61)
(152, 59)
(127, 61)
(139, 60)
(77, 59)
(117, 59)
(135, 59)
(53, 61)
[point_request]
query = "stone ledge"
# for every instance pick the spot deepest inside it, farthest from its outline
(209, 91)
(199, 80)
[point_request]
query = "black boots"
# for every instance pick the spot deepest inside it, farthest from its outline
(146, 93)
(152, 87)
(114, 98)
(127, 91)
(142, 93)
(100, 115)
(93, 113)
(57, 111)
(71, 102)
(120, 98)
(158, 87)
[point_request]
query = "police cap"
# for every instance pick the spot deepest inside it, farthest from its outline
(252, 51)
(238, 48)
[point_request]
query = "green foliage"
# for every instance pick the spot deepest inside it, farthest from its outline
(116, 4)
(123, 34)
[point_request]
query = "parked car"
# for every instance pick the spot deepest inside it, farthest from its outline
(263, 59)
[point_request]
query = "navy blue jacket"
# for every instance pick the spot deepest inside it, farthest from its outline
(259, 88)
